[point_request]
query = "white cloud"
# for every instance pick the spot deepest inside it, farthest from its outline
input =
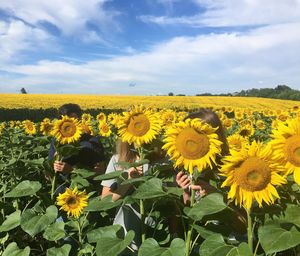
(71, 17)
(220, 13)
(16, 36)
(205, 63)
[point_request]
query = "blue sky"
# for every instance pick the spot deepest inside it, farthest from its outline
(148, 47)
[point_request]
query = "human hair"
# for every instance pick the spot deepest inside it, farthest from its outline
(70, 109)
(125, 151)
(210, 117)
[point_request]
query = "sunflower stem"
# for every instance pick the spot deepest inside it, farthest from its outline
(142, 212)
(189, 234)
(249, 230)
(53, 184)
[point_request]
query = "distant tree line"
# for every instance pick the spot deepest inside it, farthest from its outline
(279, 92)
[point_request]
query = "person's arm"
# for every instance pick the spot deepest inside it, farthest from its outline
(63, 167)
(121, 190)
(202, 187)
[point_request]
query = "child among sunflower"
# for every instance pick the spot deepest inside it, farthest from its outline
(202, 186)
(91, 152)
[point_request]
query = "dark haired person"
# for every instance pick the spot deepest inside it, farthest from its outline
(91, 153)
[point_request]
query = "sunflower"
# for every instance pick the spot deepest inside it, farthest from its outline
(113, 119)
(67, 130)
(86, 117)
(139, 125)
(104, 129)
(101, 117)
(286, 144)
(252, 174)
(227, 123)
(191, 144)
(29, 127)
(236, 142)
(168, 116)
(72, 201)
(260, 125)
(46, 127)
(246, 130)
(87, 128)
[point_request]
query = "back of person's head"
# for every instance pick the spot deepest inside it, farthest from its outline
(125, 151)
(70, 110)
(210, 117)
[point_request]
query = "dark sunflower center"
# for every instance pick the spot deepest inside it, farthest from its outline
(139, 125)
(292, 149)
(253, 174)
(191, 144)
(72, 201)
(68, 129)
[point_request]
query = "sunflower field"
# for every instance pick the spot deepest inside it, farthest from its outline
(251, 205)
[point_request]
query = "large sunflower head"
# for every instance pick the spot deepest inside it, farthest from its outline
(67, 130)
(286, 144)
(72, 201)
(140, 125)
(252, 174)
(29, 127)
(191, 144)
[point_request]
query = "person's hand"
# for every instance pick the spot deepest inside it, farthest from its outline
(135, 172)
(203, 188)
(99, 168)
(59, 166)
(183, 181)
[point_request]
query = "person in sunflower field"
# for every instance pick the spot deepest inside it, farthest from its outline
(202, 186)
(90, 155)
(128, 215)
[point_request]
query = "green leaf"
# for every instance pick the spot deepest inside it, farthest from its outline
(292, 214)
(55, 231)
(109, 176)
(127, 165)
(25, 188)
(207, 205)
(151, 248)
(67, 150)
(108, 245)
(242, 250)
(274, 238)
(12, 221)
(135, 180)
(87, 249)
(108, 231)
(62, 251)
(33, 224)
(150, 189)
(103, 204)
(13, 250)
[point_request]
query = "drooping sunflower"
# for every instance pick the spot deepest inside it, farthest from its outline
(104, 129)
(139, 125)
(252, 174)
(191, 144)
(286, 145)
(29, 127)
(72, 201)
(67, 130)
